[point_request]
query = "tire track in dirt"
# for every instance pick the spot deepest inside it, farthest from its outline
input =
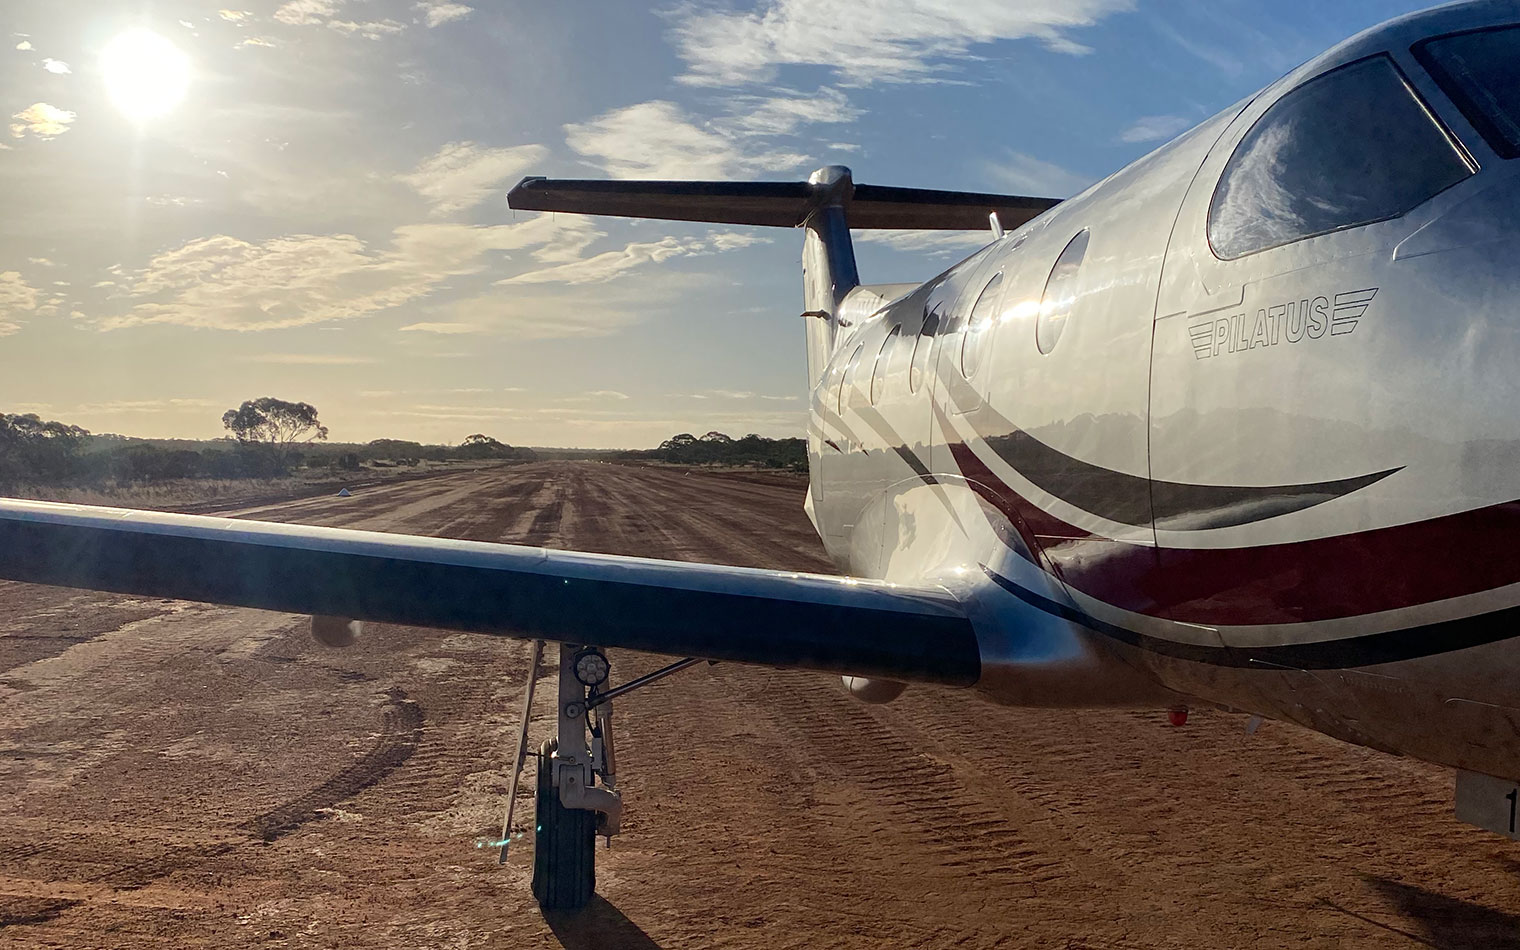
(401, 725)
(400, 731)
(909, 792)
(656, 512)
(790, 815)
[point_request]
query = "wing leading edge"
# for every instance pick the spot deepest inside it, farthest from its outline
(773, 618)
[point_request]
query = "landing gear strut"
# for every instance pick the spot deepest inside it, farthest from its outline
(577, 781)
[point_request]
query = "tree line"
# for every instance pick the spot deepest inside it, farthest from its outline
(716, 448)
(267, 438)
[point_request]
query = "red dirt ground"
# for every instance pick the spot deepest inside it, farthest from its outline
(185, 776)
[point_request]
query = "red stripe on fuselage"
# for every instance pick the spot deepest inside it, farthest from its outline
(1321, 579)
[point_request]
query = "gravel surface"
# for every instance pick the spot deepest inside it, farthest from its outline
(177, 775)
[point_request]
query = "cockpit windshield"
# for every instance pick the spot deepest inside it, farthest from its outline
(1480, 71)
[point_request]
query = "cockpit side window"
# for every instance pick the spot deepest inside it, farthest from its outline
(1351, 147)
(1480, 71)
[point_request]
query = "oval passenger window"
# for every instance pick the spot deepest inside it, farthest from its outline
(922, 347)
(979, 328)
(847, 378)
(1060, 294)
(883, 363)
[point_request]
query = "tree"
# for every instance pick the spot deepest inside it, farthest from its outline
(31, 447)
(480, 446)
(718, 448)
(274, 422)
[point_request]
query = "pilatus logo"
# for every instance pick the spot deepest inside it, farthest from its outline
(1292, 321)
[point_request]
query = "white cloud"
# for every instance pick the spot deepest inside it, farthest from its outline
(930, 242)
(324, 12)
(534, 314)
(785, 115)
(377, 393)
(17, 300)
(734, 240)
(308, 359)
(41, 120)
(867, 41)
(24, 45)
(446, 329)
(144, 405)
(1155, 128)
(612, 264)
(463, 174)
(255, 41)
(295, 280)
(439, 12)
(371, 30)
(234, 16)
(56, 66)
(304, 12)
(659, 139)
(541, 311)
(733, 394)
(1027, 175)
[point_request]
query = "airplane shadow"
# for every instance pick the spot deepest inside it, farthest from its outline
(1445, 923)
(598, 926)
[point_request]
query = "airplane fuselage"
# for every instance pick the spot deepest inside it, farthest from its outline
(1237, 423)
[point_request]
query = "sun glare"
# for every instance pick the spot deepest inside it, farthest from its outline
(146, 75)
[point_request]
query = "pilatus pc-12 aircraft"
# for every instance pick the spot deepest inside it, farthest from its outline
(1237, 425)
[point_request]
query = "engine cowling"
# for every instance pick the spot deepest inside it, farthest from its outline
(875, 691)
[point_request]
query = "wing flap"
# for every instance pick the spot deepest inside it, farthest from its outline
(773, 618)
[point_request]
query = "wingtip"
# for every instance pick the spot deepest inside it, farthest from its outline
(520, 189)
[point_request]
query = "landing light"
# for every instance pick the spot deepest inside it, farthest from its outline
(591, 667)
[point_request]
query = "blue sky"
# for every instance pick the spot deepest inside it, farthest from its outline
(320, 215)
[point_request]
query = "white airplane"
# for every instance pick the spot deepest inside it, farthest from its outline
(1234, 426)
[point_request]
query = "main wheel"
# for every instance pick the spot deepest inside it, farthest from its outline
(564, 845)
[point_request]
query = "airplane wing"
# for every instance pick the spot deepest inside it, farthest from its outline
(773, 618)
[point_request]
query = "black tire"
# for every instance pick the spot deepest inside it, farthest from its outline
(564, 845)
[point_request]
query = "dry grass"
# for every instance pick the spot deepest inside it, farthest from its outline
(202, 494)
(166, 494)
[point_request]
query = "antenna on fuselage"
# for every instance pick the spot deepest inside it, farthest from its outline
(997, 226)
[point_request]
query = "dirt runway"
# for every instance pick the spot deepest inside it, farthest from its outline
(176, 775)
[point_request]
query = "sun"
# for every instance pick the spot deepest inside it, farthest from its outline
(146, 75)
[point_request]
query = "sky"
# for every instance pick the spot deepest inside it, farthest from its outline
(306, 199)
